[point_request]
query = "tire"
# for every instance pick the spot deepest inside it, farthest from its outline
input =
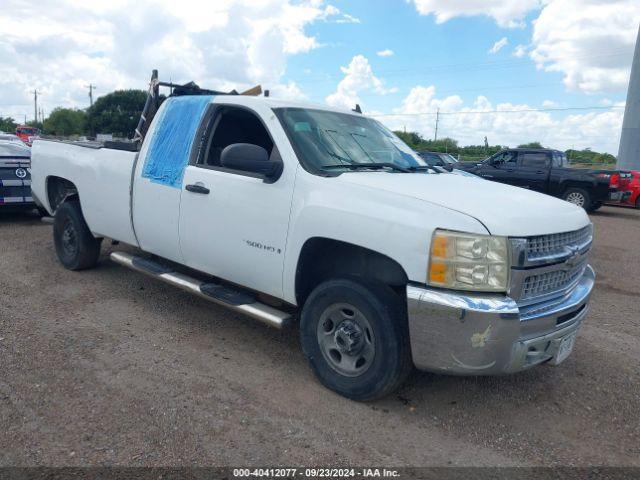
(76, 247)
(578, 197)
(595, 206)
(355, 336)
(638, 202)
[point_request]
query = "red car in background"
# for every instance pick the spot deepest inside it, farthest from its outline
(631, 183)
(27, 134)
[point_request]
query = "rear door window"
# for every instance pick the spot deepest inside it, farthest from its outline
(534, 159)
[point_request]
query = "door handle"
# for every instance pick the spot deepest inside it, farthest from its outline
(540, 171)
(197, 189)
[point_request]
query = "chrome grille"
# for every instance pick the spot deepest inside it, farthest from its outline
(557, 243)
(550, 282)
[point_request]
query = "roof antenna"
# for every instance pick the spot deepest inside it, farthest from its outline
(357, 109)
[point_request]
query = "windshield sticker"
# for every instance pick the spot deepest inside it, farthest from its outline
(302, 127)
(173, 138)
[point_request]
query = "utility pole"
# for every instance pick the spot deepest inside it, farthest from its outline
(91, 88)
(435, 137)
(35, 105)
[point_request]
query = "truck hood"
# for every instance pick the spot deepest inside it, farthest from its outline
(502, 209)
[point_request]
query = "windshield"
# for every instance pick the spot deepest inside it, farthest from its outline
(330, 140)
(560, 159)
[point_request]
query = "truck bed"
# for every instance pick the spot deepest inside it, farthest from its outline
(102, 177)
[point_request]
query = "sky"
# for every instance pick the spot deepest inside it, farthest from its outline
(515, 71)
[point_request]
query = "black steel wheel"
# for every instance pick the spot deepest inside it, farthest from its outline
(76, 247)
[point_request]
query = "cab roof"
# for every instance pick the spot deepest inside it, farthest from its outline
(278, 103)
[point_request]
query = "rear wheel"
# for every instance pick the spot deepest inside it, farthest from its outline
(638, 202)
(355, 336)
(578, 197)
(76, 247)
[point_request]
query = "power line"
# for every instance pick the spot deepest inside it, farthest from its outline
(457, 67)
(527, 110)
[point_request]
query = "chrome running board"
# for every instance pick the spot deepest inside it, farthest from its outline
(232, 298)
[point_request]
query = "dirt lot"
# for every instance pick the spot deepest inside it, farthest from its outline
(109, 367)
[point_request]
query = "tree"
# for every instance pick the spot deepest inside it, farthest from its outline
(117, 113)
(531, 145)
(587, 156)
(413, 139)
(8, 124)
(66, 121)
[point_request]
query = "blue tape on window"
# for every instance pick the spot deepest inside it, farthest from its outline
(172, 139)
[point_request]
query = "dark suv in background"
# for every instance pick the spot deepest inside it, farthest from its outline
(547, 171)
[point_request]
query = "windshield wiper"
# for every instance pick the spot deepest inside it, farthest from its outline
(368, 166)
(339, 157)
(423, 168)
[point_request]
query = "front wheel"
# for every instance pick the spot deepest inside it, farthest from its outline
(578, 197)
(354, 334)
(76, 247)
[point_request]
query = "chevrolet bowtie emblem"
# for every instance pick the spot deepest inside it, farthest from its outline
(574, 258)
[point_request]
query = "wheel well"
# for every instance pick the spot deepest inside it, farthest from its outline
(573, 184)
(575, 187)
(60, 190)
(323, 258)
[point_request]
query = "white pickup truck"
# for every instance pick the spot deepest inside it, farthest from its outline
(294, 212)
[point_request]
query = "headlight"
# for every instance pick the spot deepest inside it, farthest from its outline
(464, 261)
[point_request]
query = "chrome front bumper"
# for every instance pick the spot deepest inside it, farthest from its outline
(485, 334)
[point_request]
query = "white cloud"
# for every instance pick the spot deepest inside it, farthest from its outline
(60, 46)
(597, 130)
(289, 91)
(358, 77)
(520, 51)
(591, 43)
(499, 45)
(341, 17)
(549, 104)
(506, 13)
(346, 18)
(387, 52)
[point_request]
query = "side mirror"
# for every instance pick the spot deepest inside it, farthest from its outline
(249, 158)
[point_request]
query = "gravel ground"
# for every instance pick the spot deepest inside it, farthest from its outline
(108, 367)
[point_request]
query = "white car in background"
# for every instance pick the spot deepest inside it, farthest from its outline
(15, 176)
(10, 137)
